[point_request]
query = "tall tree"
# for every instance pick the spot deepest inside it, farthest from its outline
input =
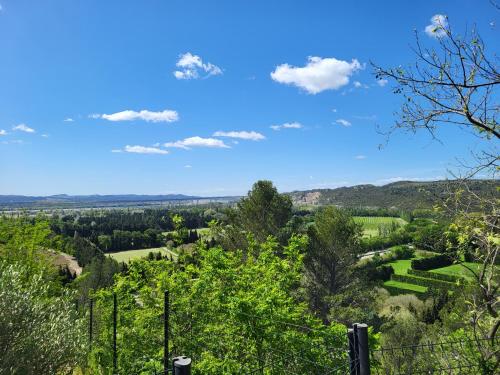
(332, 253)
(263, 212)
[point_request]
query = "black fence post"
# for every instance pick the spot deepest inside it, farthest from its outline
(91, 322)
(363, 349)
(356, 348)
(166, 316)
(115, 308)
(181, 366)
(352, 352)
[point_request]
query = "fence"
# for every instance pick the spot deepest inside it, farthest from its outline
(351, 356)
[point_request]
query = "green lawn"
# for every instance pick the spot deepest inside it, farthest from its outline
(128, 255)
(406, 286)
(371, 223)
(458, 270)
(402, 266)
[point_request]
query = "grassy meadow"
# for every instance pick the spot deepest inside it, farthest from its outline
(371, 224)
(128, 255)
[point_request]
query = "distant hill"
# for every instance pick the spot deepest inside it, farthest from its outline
(406, 195)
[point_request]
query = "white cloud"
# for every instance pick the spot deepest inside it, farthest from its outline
(166, 115)
(287, 125)
(252, 135)
(437, 28)
(45, 135)
(191, 65)
(334, 110)
(117, 151)
(188, 166)
(2, 132)
(343, 122)
(360, 157)
(144, 150)
(196, 141)
(23, 128)
(382, 82)
(94, 115)
(318, 74)
(68, 119)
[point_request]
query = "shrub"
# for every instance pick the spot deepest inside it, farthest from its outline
(430, 263)
(382, 272)
(403, 252)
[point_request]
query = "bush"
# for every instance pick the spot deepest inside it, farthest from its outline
(403, 252)
(40, 333)
(437, 261)
(382, 272)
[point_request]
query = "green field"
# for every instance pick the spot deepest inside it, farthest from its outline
(371, 223)
(406, 286)
(128, 255)
(401, 266)
(458, 270)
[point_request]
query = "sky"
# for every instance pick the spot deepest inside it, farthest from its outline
(206, 97)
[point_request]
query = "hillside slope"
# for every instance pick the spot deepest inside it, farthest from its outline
(400, 195)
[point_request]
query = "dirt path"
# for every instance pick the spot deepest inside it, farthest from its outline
(61, 259)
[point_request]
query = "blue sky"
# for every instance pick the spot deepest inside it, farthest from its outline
(230, 92)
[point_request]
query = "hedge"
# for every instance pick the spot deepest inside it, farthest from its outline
(437, 261)
(436, 276)
(383, 272)
(422, 281)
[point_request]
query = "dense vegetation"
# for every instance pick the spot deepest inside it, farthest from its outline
(241, 294)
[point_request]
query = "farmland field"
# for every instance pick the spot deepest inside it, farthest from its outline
(128, 255)
(372, 223)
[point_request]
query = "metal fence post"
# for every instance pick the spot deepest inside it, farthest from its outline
(352, 352)
(356, 348)
(166, 316)
(363, 349)
(181, 365)
(115, 308)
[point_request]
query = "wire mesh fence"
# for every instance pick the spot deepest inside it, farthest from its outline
(461, 357)
(125, 340)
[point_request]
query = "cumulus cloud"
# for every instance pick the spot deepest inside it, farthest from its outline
(318, 74)
(251, 135)
(2, 132)
(143, 150)
(166, 115)
(360, 157)
(437, 27)
(196, 141)
(343, 122)
(68, 119)
(287, 125)
(191, 65)
(23, 128)
(382, 82)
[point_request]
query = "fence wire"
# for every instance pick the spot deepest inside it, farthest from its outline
(292, 349)
(452, 358)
